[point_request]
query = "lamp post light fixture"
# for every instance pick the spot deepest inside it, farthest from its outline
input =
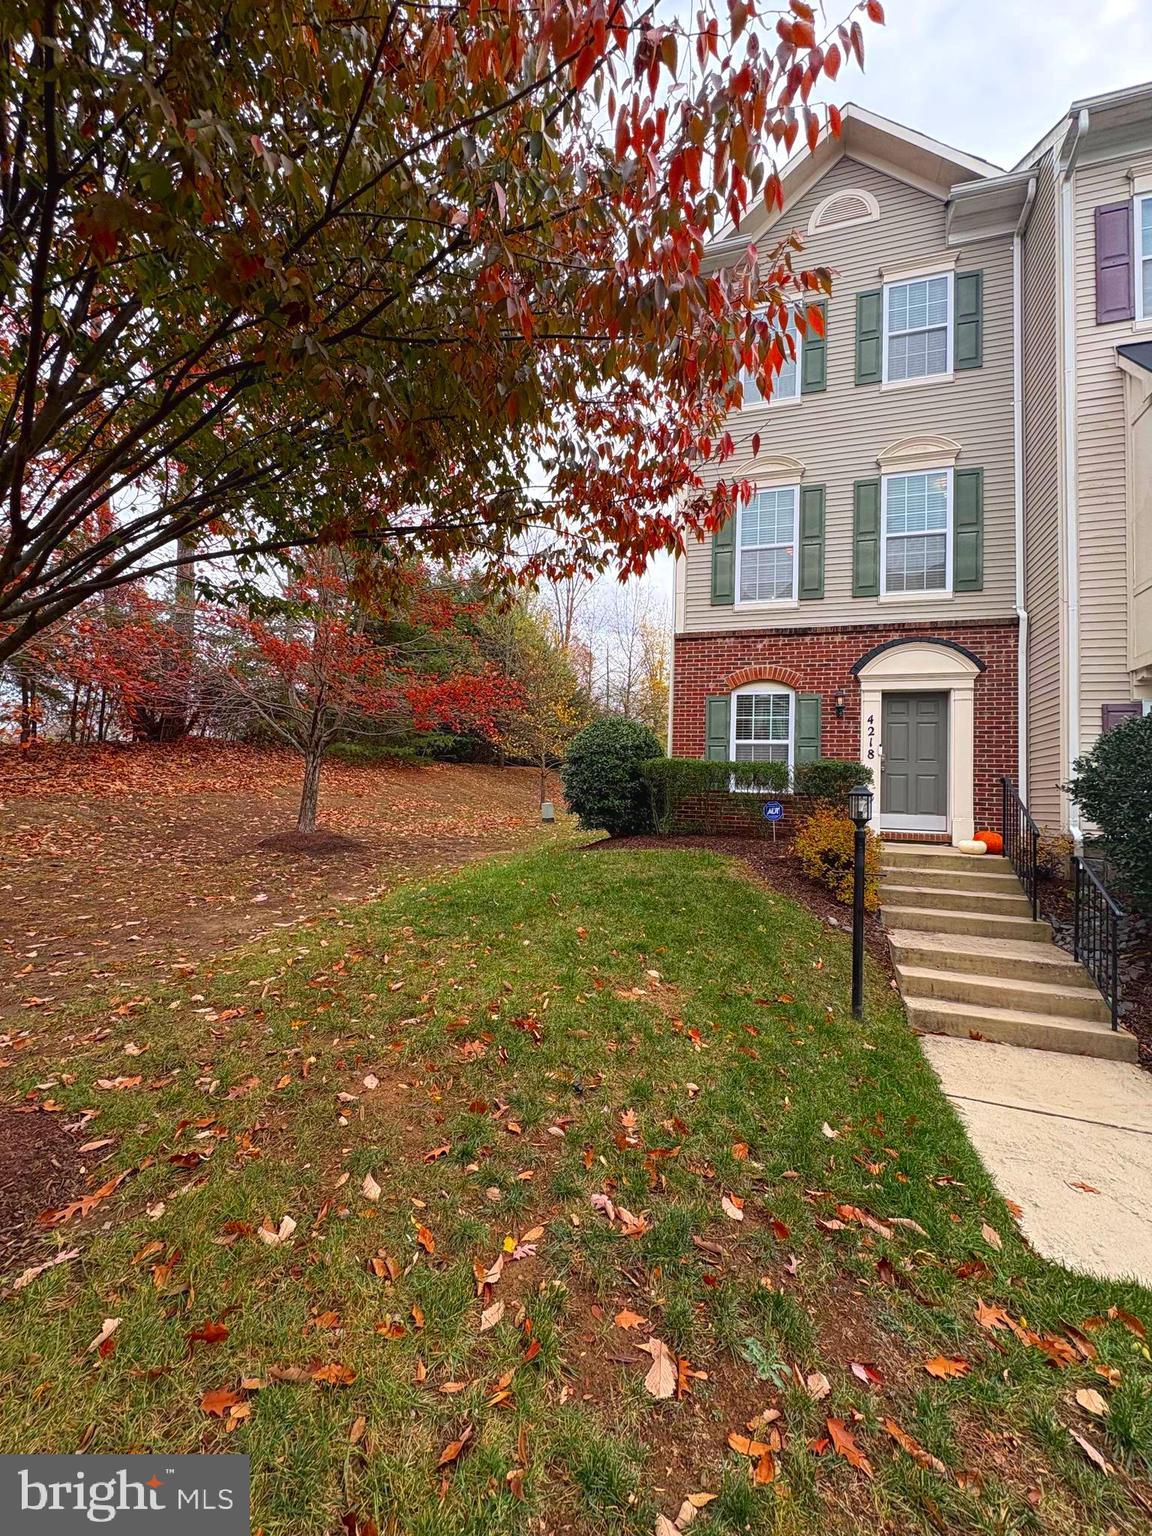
(860, 810)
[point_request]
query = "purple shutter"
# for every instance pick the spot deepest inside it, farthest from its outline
(1115, 290)
(1112, 714)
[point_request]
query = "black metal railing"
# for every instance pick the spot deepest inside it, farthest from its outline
(1098, 933)
(1021, 841)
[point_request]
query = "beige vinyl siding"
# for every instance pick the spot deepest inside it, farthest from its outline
(1101, 475)
(1042, 525)
(838, 434)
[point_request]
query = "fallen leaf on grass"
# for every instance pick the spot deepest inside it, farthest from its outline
(108, 1328)
(844, 1444)
(740, 1151)
(661, 1378)
(626, 1319)
(943, 1366)
(209, 1332)
(452, 1450)
(1092, 1402)
(274, 1236)
(733, 1207)
(1097, 1458)
(817, 1385)
(221, 1402)
(27, 1277)
(370, 1188)
(992, 1237)
(913, 1447)
(491, 1316)
(746, 1446)
(334, 1375)
(866, 1373)
(829, 1132)
(666, 1527)
(356, 1433)
(765, 1470)
(425, 1239)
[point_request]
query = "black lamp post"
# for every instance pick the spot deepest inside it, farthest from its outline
(860, 810)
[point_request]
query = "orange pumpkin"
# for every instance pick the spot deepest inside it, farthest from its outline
(991, 840)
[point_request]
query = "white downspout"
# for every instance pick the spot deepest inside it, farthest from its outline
(1071, 553)
(1018, 449)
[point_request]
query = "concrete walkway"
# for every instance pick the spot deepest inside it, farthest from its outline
(1047, 1125)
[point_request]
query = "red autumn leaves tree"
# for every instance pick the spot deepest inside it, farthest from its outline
(325, 662)
(269, 279)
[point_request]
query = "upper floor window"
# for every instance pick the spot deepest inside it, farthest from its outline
(787, 385)
(762, 725)
(1144, 257)
(918, 328)
(766, 546)
(916, 532)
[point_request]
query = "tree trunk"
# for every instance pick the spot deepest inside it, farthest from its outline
(27, 717)
(310, 793)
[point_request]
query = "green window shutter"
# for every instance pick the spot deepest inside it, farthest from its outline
(866, 540)
(870, 336)
(807, 743)
(716, 734)
(814, 357)
(968, 340)
(724, 563)
(811, 582)
(968, 531)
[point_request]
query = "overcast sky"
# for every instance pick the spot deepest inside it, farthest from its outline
(992, 76)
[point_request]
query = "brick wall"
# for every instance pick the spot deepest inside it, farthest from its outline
(821, 660)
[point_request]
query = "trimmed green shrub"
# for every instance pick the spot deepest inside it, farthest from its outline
(602, 776)
(825, 848)
(829, 778)
(1113, 787)
(672, 780)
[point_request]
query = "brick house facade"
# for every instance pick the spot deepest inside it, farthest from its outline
(820, 661)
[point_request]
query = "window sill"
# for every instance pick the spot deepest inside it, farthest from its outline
(772, 403)
(768, 603)
(916, 597)
(929, 378)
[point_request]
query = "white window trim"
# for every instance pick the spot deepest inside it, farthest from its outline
(775, 398)
(758, 688)
(949, 327)
(771, 602)
(939, 593)
(1138, 255)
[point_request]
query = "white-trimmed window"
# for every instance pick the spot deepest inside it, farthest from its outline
(762, 724)
(918, 328)
(916, 524)
(787, 385)
(766, 546)
(1143, 210)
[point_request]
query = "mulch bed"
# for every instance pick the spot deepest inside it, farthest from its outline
(316, 845)
(38, 1170)
(773, 864)
(1056, 905)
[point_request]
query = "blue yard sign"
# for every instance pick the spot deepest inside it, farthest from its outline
(773, 810)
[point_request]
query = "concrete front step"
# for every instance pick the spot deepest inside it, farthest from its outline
(1016, 959)
(1012, 1026)
(990, 925)
(947, 899)
(921, 983)
(974, 880)
(938, 856)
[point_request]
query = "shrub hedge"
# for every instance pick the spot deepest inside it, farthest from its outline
(829, 778)
(603, 782)
(1113, 787)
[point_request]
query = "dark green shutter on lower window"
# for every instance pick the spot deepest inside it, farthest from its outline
(814, 357)
(811, 583)
(968, 531)
(724, 563)
(866, 540)
(968, 341)
(716, 728)
(870, 336)
(806, 746)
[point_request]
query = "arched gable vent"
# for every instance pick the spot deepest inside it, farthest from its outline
(851, 206)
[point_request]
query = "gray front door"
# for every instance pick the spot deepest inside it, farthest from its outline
(914, 765)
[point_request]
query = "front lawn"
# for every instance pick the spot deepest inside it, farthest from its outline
(424, 1204)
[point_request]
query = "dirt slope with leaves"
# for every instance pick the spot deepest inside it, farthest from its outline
(118, 862)
(562, 1195)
